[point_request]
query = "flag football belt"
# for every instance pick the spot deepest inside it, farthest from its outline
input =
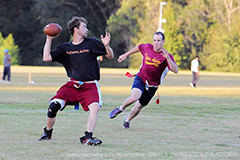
(79, 83)
(148, 86)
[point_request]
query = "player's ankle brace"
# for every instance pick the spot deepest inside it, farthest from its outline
(53, 109)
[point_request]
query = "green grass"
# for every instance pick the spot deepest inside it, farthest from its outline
(189, 123)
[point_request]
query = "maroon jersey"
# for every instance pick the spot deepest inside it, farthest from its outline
(154, 66)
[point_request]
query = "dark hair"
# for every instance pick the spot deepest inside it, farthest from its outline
(197, 57)
(75, 22)
(160, 33)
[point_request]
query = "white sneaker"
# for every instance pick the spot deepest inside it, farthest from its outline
(191, 84)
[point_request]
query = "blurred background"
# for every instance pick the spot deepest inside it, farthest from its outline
(207, 28)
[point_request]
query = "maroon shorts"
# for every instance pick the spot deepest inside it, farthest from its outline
(86, 94)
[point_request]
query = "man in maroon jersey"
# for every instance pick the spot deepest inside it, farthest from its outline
(155, 66)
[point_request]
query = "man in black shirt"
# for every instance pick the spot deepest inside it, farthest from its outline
(79, 58)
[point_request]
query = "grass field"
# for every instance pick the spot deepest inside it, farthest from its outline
(189, 123)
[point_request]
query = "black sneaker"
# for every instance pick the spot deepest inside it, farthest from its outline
(47, 135)
(90, 141)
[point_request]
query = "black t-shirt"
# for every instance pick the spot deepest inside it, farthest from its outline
(80, 61)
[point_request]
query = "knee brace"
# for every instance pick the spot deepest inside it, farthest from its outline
(53, 109)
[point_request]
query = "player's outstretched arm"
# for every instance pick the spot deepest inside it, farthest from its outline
(125, 55)
(47, 48)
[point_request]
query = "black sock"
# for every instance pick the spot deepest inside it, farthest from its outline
(88, 134)
(48, 132)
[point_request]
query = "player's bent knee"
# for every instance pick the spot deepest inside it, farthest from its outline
(53, 109)
(133, 99)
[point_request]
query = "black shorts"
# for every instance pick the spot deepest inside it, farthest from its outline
(147, 94)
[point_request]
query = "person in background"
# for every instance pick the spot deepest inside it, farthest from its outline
(7, 66)
(195, 71)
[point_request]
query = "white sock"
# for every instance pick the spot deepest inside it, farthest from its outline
(127, 120)
(120, 108)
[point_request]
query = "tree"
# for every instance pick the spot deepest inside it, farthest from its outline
(8, 43)
(18, 18)
(26, 19)
(195, 21)
(221, 53)
(123, 26)
(230, 9)
(208, 28)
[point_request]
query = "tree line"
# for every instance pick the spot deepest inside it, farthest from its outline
(207, 28)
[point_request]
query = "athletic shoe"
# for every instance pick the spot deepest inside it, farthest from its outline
(114, 112)
(191, 84)
(47, 135)
(125, 123)
(90, 141)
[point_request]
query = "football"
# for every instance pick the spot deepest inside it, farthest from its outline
(52, 29)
